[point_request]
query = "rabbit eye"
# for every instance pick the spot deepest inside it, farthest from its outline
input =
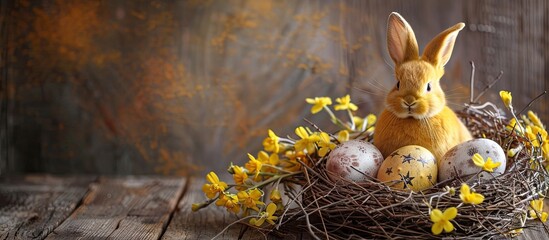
(398, 85)
(428, 87)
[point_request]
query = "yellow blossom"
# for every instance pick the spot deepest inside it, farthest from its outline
(275, 196)
(343, 136)
(365, 123)
(270, 160)
(271, 143)
(253, 165)
(513, 126)
(319, 103)
(442, 220)
(291, 163)
(325, 144)
(250, 199)
(487, 165)
(307, 141)
(536, 208)
(506, 98)
(230, 201)
(532, 132)
(266, 216)
(535, 120)
(215, 186)
(239, 177)
(345, 103)
(470, 197)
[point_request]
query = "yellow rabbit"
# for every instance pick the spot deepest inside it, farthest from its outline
(415, 112)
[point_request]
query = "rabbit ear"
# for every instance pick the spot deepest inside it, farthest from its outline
(401, 40)
(439, 50)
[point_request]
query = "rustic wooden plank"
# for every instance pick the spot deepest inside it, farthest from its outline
(208, 222)
(124, 208)
(32, 206)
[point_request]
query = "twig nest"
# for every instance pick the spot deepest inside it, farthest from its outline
(413, 166)
(355, 160)
(458, 161)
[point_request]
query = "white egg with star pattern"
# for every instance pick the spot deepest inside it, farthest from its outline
(410, 167)
(355, 160)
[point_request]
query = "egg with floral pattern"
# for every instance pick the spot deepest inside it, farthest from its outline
(410, 167)
(355, 160)
(458, 161)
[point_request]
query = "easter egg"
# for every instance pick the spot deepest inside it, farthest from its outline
(458, 160)
(353, 160)
(414, 166)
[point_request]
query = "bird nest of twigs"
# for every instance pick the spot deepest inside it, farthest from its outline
(348, 210)
(310, 201)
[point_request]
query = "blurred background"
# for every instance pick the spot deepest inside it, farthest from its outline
(184, 87)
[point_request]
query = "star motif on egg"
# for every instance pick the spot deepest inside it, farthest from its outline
(407, 158)
(422, 161)
(389, 171)
(407, 180)
(430, 177)
(394, 154)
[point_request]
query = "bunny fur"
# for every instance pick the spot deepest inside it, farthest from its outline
(415, 109)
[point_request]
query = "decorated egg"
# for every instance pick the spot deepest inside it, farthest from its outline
(353, 160)
(414, 166)
(458, 161)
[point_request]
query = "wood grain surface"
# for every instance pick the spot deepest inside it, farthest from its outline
(123, 208)
(32, 206)
(143, 207)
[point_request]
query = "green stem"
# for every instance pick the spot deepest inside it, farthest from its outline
(334, 119)
(276, 178)
(352, 119)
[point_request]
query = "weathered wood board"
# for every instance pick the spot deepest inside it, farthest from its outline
(32, 206)
(123, 208)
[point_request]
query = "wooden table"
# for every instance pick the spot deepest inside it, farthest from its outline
(144, 207)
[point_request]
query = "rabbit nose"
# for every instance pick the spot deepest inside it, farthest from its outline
(409, 101)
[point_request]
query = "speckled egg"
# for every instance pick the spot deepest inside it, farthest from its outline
(414, 166)
(458, 160)
(353, 160)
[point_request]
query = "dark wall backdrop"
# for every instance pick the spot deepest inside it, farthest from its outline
(179, 87)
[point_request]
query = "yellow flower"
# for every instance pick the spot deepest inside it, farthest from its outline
(215, 186)
(307, 141)
(230, 201)
(343, 136)
(535, 119)
(513, 126)
(271, 143)
(319, 103)
(266, 216)
(470, 197)
(250, 199)
(506, 97)
(275, 196)
(253, 165)
(442, 220)
(487, 165)
(239, 177)
(265, 158)
(291, 164)
(271, 160)
(532, 133)
(345, 103)
(536, 208)
(365, 123)
(325, 144)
